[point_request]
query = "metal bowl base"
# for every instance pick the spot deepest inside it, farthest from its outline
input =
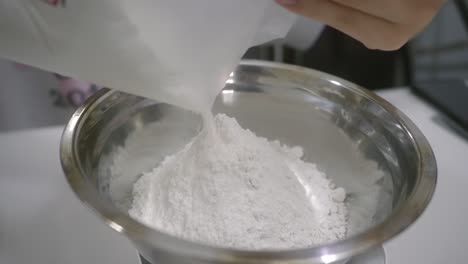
(376, 256)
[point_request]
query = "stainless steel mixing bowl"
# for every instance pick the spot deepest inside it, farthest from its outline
(336, 122)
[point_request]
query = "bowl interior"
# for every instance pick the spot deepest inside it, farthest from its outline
(357, 141)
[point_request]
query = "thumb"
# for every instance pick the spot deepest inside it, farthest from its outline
(353, 22)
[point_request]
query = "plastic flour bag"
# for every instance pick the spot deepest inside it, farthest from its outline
(165, 50)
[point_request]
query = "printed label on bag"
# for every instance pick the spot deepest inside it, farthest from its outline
(56, 3)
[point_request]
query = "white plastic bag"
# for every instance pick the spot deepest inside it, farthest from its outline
(165, 50)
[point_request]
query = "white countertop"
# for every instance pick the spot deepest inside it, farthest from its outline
(41, 221)
(440, 235)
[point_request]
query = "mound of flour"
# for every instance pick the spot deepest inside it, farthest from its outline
(230, 188)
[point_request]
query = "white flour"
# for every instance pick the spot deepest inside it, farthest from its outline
(230, 188)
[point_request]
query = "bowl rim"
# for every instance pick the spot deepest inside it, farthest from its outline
(400, 218)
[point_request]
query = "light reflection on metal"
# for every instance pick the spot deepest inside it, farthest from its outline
(328, 258)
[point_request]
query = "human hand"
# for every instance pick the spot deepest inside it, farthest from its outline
(378, 24)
